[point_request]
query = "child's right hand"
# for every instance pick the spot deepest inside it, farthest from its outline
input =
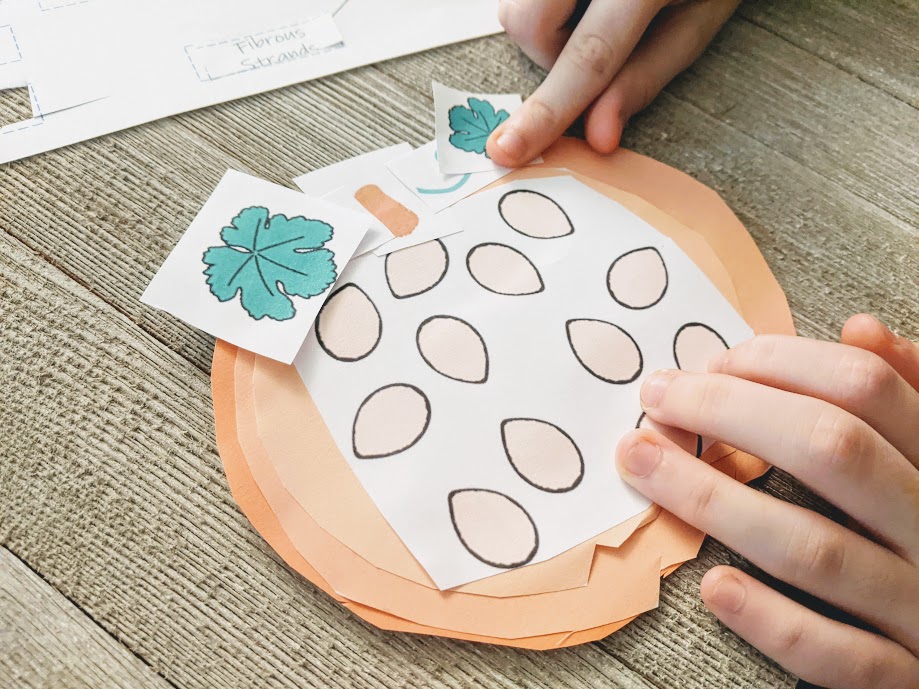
(843, 418)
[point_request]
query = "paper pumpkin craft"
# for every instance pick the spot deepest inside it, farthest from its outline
(308, 491)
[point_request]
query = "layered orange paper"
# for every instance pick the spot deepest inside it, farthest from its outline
(297, 489)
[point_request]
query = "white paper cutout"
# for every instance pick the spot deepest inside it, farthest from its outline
(420, 172)
(226, 282)
(461, 147)
(533, 373)
(367, 177)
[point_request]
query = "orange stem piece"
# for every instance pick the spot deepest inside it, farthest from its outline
(397, 218)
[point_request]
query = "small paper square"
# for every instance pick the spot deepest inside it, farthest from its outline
(366, 185)
(256, 264)
(463, 122)
(324, 181)
(420, 173)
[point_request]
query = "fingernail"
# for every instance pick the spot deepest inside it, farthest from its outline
(642, 458)
(729, 594)
(653, 389)
(511, 144)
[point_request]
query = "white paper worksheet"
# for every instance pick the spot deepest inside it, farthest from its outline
(133, 61)
(478, 384)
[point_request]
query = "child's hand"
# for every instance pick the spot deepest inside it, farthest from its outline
(600, 67)
(843, 418)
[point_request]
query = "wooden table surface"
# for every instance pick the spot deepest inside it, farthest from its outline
(124, 560)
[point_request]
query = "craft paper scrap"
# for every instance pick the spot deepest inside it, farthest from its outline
(421, 174)
(326, 180)
(462, 124)
(365, 184)
(172, 56)
(256, 264)
(477, 384)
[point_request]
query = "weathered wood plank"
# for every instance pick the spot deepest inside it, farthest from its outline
(47, 642)
(875, 41)
(834, 253)
(116, 495)
(812, 112)
(15, 106)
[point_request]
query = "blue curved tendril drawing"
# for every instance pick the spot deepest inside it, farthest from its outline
(445, 190)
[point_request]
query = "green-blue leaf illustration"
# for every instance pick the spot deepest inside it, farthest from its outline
(268, 257)
(472, 126)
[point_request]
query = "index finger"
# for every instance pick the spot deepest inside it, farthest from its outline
(599, 46)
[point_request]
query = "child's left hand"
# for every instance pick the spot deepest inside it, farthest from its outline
(843, 418)
(610, 66)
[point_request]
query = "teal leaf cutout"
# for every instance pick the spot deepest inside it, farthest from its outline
(263, 255)
(472, 126)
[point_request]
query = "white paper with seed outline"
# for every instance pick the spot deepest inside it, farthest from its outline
(533, 373)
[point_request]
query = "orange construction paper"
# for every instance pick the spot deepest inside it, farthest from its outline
(253, 505)
(511, 617)
(718, 244)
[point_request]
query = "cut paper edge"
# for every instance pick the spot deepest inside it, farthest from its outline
(666, 192)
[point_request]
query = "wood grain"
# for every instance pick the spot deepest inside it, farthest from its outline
(47, 642)
(874, 41)
(802, 115)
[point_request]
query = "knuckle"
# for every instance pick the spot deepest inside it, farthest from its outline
(714, 397)
(790, 639)
(758, 351)
(816, 554)
(701, 500)
(866, 378)
(591, 53)
(541, 116)
(866, 671)
(837, 442)
(514, 18)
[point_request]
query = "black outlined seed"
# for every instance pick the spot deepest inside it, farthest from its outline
(542, 454)
(417, 269)
(348, 326)
(494, 528)
(453, 348)
(694, 345)
(504, 270)
(390, 421)
(605, 350)
(534, 215)
(638, 279)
